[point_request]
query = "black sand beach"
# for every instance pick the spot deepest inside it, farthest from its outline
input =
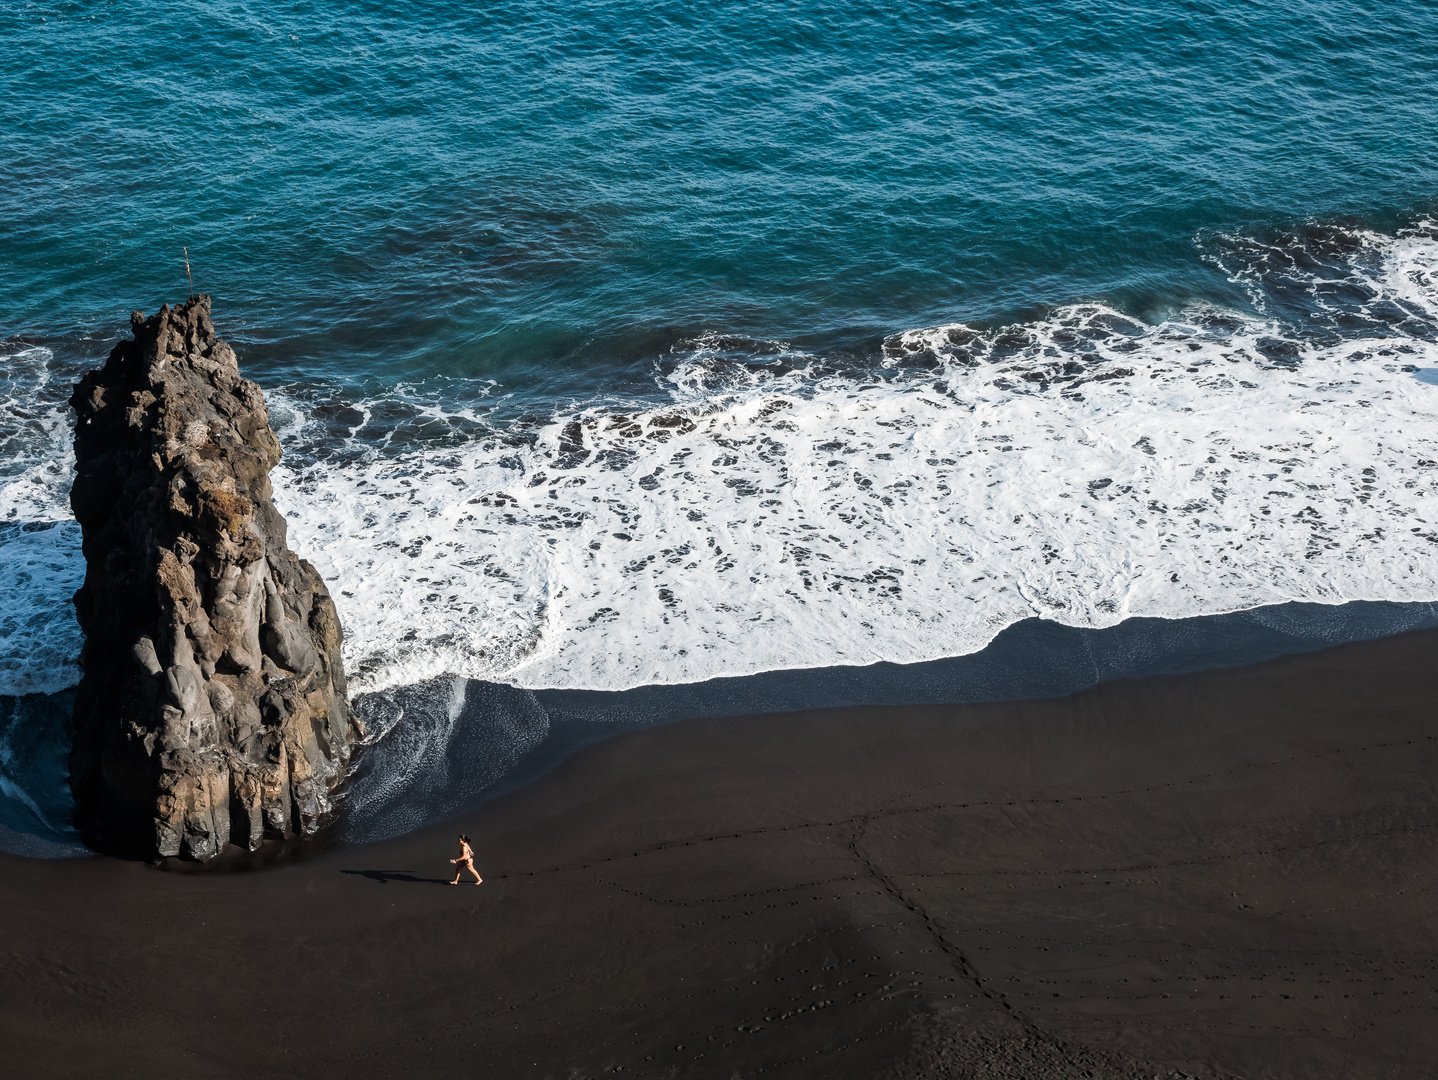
(1225, 874)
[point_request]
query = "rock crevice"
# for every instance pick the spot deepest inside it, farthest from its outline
(212, 706)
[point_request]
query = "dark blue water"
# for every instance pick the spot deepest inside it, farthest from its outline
(551, 193)
(610, 344)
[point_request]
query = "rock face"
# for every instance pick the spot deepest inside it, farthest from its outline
(212, 706)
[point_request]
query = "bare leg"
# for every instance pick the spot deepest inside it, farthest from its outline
(472, 870)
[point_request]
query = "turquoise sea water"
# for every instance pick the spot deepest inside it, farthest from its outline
(543, 192)
(618, 345)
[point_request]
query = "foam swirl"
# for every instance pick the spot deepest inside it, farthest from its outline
(769, 508)
(778, 512)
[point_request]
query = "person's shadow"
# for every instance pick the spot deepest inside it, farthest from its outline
(384, 877)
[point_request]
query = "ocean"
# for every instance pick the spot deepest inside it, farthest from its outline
(627, 357)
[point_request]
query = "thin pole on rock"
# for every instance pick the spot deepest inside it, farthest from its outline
(187, 271)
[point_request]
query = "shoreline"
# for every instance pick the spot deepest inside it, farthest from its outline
(1227, 873)
(469, 741)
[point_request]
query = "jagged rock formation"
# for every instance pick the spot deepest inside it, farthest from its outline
(212, 705)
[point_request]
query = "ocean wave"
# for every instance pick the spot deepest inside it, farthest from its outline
(771, 508)
(780, 512)
(41, 565)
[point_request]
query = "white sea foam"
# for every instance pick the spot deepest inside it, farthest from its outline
(39, 639)
(1085, 468)
(777, 513)
(40, 561)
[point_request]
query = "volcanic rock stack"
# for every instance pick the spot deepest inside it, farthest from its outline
(212, 706)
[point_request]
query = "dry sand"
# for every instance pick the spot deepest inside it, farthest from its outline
(1224, 874)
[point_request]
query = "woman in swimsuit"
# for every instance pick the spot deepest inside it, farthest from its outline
(465, 861)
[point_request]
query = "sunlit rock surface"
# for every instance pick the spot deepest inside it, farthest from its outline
(212, 706)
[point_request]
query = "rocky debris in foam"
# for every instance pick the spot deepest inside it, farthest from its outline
(212, 706)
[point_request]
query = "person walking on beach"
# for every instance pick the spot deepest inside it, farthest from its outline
(465, 861)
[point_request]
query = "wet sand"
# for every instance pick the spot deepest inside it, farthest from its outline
(1225, 874)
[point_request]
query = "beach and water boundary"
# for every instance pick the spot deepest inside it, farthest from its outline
(442, 747)
(1226, 873)
(903, 533)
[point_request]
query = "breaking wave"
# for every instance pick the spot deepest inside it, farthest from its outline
(768, 508)
(775, 510)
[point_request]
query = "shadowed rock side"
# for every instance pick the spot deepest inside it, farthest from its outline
(212, 706)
